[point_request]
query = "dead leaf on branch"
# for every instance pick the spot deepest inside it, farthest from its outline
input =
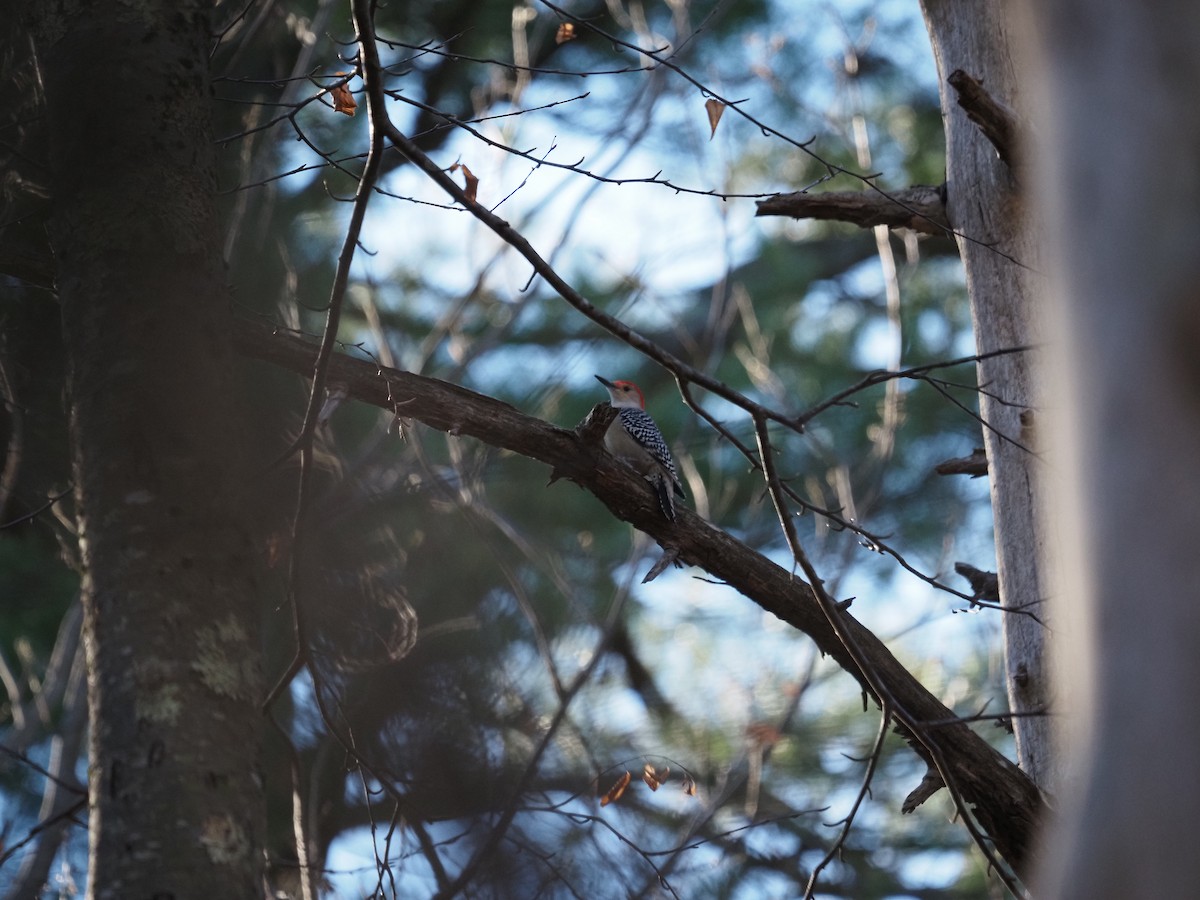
(655, 777)
(472, 183)
(614, 793)
(715, 109)
(343, 100)
(566, 32)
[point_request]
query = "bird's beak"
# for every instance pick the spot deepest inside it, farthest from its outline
(605, 382)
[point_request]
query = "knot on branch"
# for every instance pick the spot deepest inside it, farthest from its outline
(995, 120)
(591, 430)
(590, 433)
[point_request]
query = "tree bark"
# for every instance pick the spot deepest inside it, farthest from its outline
(169, 627)
(999, 255)
(1120, 126)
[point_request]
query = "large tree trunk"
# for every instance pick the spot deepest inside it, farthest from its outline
(170, 624)
(999, 256)
(1121, 141)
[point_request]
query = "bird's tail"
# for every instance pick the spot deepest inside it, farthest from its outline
(665, 499)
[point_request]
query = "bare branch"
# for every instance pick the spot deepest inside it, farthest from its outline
(974, 465)
(1006, 803)
(879, 376)
(921, 208)
(874, 681)
(577, 167)
(316, 398)
(498, 831)
(848, 821)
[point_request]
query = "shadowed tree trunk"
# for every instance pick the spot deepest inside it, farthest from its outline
(170, 623)
(1120, 142)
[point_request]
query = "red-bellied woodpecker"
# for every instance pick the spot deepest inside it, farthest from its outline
(635, 438)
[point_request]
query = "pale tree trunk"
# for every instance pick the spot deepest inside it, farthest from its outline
(1120, 140)
(999, 253)
(169, 627)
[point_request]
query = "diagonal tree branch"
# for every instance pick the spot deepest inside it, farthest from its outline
(1006, 804)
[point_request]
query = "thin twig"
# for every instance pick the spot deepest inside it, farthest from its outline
(885, 722)
(803, 146)
(882, 375)
(33, 514)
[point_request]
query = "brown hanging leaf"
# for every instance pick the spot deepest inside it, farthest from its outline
(472, 183)
(653, 777)
(689, 786)
(566, 32)
(343, 100)
(715, 109)
(615, 792)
